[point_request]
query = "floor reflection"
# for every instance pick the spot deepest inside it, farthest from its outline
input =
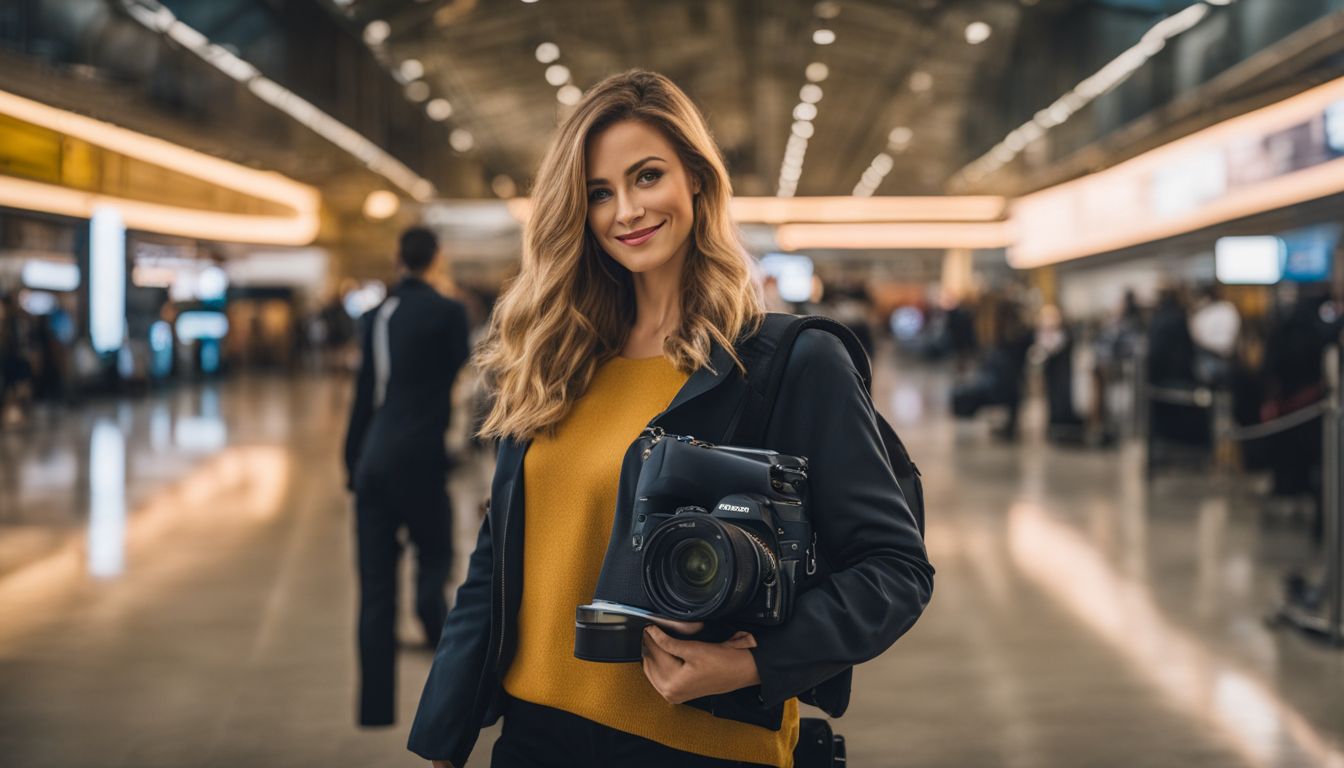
(1253, 718)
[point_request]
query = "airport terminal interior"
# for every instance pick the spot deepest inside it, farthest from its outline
(1094, 250)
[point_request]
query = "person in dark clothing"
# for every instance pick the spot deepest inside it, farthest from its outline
(1053, 351)
(1293, 380)
(1171, 364)
(413, 343)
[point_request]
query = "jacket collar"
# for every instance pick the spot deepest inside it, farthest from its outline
(705, 379)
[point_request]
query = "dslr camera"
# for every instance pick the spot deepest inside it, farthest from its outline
(716, 534)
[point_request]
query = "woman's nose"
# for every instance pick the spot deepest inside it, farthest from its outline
(627, 211)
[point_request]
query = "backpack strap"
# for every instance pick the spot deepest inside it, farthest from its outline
(766, 356)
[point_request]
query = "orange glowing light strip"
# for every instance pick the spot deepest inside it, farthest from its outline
(793, 237)
(1045, 231)
(164, 219)
(837, 210)
(300, 228)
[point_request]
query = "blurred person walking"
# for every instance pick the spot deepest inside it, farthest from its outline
(413, 344)
(1215, 327)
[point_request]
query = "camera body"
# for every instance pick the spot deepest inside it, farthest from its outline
(716, 534)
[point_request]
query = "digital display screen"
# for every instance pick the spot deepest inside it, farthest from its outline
(1249, 260)
(792, 273)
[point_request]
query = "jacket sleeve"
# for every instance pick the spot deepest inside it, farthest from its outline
(361, 410)
(447, 722)
(457, 330)
(880, 578)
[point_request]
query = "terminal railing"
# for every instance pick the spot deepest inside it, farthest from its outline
(1324, 621)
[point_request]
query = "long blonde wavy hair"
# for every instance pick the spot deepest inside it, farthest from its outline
(572, 306)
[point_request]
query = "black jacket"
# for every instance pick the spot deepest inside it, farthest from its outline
(427, 346)
(875, 578)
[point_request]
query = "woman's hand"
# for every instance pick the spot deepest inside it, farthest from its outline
(681, 670)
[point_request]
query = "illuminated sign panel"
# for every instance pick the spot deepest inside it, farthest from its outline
(1278, 156)
(107, 280)
(1249, 260)
(50, 275)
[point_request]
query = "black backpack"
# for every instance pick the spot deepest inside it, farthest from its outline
(766, 355)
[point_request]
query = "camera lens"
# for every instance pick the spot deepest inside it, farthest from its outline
(698, 568)
(695, 564)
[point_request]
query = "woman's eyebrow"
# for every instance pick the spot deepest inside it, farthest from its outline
(628, 171)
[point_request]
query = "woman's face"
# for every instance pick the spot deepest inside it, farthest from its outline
(639, 197)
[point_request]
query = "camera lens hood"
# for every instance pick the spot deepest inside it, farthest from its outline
(609, 632)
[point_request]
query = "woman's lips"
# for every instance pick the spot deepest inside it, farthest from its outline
(640, 236)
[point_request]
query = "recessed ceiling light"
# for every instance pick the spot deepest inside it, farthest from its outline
(900, 137)
(810, 93)
(439, 109)
(548, 52)
(376, 32)
(803, 129)
(921, 81)
(503, 186)
(817, 72)
(381, 204)
(805, 111)
(412, 69)
(823, 37)
(977, 32)
(569, 95)
(417, 91)
(826, 9)
(462, 140)
(557, 74)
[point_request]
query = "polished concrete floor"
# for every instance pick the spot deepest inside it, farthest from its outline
(177, 589)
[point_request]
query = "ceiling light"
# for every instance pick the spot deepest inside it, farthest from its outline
(548, 52)
(557, 74)
(805, 111)
(883, 164)
(412, 69)
(827, 9)
(503, 186)
(417, 91)
(817, 72)
(810, 93)
(439, 109)
(823, 37)
(381, 204)
(529, 2)
(803, 129)
(977, 32)
(376, 32)
(921, 81)
(569, 95)
(900, 136)
(462, 140)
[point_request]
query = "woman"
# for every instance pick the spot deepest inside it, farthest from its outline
(632, 294)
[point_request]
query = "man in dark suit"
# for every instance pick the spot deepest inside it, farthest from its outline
(414, 344)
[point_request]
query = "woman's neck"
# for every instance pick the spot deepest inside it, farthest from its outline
(657, 309)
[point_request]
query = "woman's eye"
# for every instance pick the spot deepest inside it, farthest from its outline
(650, 176)
(598, 195)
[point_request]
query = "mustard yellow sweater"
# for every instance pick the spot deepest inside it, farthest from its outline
(569, 483)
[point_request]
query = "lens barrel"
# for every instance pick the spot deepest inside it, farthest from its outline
(700, 568)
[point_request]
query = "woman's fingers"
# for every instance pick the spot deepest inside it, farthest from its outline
(680, 627)
(741, 640)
